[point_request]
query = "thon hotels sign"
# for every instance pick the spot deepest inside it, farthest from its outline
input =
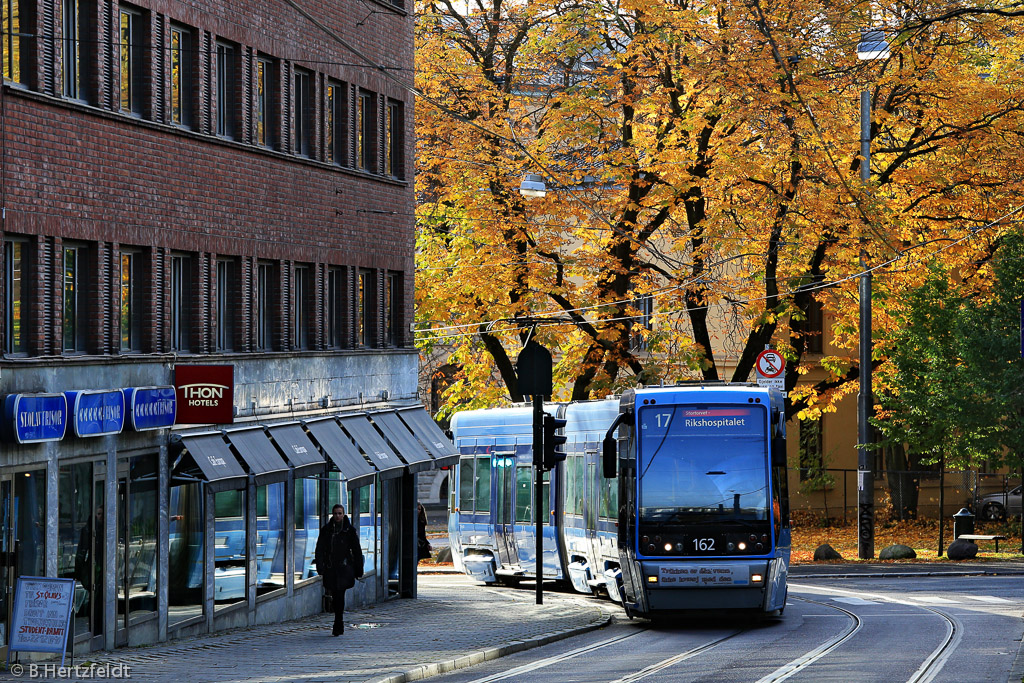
(205, 394)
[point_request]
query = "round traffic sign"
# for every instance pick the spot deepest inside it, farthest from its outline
(770, 363)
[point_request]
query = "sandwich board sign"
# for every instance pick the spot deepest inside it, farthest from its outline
(41, 619)
(771, 368)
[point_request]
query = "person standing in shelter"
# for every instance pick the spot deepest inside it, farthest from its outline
(423, 545)
(339, 559)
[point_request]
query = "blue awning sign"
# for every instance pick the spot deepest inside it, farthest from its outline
(96, 413)
(150, 407)
(33, 418)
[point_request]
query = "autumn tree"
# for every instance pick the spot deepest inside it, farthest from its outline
(703, 164)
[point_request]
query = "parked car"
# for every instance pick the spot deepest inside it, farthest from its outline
(995, 506)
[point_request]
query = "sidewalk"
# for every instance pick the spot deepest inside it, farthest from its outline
(454, 623)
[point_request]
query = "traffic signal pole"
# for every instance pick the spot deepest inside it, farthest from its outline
(538, 489)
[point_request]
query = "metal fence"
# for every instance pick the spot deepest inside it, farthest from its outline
(898, 494)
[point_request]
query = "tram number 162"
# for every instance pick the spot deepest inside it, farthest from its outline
(704, 545)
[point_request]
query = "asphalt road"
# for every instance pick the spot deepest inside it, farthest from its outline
(952, 628)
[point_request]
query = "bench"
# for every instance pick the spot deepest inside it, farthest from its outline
(984, 537)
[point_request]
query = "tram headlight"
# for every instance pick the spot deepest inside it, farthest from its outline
(652, 579)
(668, 547)
(742, 545)
(756, 578)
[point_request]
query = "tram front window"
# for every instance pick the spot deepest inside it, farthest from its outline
(702, 465)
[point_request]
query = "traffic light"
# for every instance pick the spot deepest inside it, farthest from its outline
(553, 443)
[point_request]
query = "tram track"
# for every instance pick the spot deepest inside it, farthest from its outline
(800, 663)
(512, 674)
(936, 659)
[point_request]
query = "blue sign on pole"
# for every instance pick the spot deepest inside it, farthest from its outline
(150, 407)
(32, 418)
(96, 413)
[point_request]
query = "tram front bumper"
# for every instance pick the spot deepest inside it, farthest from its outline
(672, 586)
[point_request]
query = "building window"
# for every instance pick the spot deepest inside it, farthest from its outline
(262, 307)
(393, 128)
(815, 327)
(336, 308)
(300, 308)
(75, 299)
(132, 49)
(810, 450)
(15, 290)
(643, 320)
(302, 138)
(12, 15)
(181, 77)
(392, 305)
(364, 309)
(226, 306)
(181, 302)
(335, 143)
(224, 90)
(131, 301)
(264, 103)
(365, 143)
(71, 51)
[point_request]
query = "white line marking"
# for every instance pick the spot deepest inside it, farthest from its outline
(989, 598)
(855, 601)
(932, 600)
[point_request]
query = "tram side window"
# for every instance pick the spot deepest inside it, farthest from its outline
(580, 486)
(466, 485)
(523, 493)
(546, 497)
(609, 498)
(483, 483)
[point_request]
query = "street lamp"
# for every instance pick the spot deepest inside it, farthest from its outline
(872, 45)
(533, 186)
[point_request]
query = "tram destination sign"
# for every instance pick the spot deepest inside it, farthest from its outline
(205, 394)
(34, 418)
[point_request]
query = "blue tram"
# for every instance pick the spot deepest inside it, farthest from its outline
(669, 498)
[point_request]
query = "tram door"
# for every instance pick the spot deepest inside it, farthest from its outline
(592, 501)
(504, 502)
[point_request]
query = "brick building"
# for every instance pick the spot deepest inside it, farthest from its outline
(216, 184)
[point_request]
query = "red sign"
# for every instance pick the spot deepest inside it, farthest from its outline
(205, 394)
(770, 363)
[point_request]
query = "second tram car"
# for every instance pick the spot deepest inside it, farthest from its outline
(670, 498)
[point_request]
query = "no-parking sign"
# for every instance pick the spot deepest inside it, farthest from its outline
(771, 368)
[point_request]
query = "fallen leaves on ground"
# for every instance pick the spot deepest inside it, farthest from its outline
(922, 536)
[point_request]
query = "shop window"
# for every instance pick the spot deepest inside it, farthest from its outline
(80, 542)
(136, 562)
(270, 537)
(185, 552)
(368, 520)
(644, 320)
(307, 526)
(16, 290)
(230, 548)
(815, 327)
(181, 65)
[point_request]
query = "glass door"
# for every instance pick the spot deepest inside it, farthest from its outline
(6, 558)
(22, 537)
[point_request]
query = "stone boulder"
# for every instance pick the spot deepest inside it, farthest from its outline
(962, 549)
(897, 552)
(826, 552)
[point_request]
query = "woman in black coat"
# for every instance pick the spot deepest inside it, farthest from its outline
(339, 559)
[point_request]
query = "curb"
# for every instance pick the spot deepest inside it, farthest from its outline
(1017, 670)
(473, 658)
